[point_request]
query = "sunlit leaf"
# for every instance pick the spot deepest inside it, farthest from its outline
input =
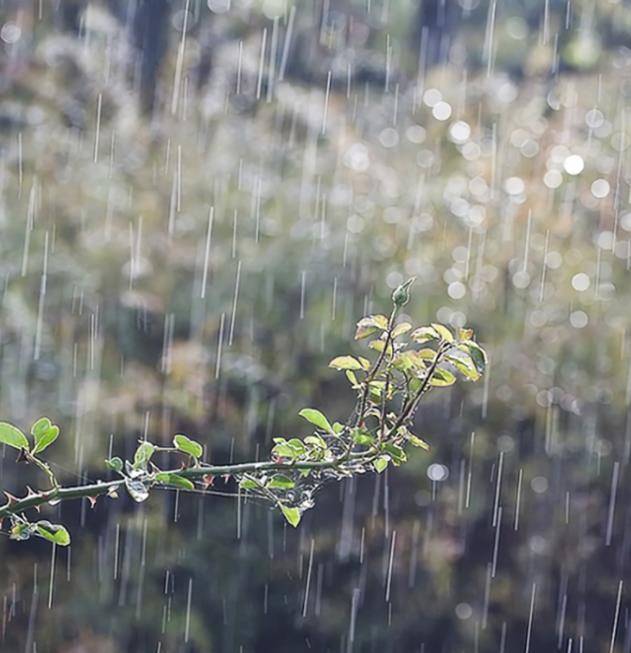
(362, 438)
(380, 463)
(44, 433)
(12, 436)
(40, 427)
(424, 334)
(292, 515)
(338, 427)
(170, 478)
(143, 454)
(478, 356)
(463, 363)
(297, 445)
(316, 418)
(408, 360)
(396, 453)
(345, 363)
(315, 441)
(115, 464)
(248, 484)
(376, 388)
(415, 441)
(186, 445)
(465, 334)
(415, 384)
(55, 533)
(400, 329)
(426, 354)
(280, 482)
(369, 325)
(380, 345)
(21, 531)
(442, 378)
(284, 450)
(443, 332)
(289, 449)
(365, 363)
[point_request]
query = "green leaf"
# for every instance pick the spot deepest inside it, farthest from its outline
(284, 450)
(380, 464)
(369, 325)
(298, 446)
(396, 453)
(115, 464)
(292, 515)
(478, 356)
(55, 533)
(248, 484)
(443, 332)
(169, 478)
(380, 345)
(408, 360)
(289, 449)
(40, 427)
(362, 438)
(143, 454)
(345, 363)
(21, 531)
(417, 442)
(442, 378)
(424, 334)
(316, 418)
(426, 354)
(12, 436)
(465, 334)
(415, 384)
(44, 434)
(186, 445)
(400, 329)
(280, 482)
(464, 364)
(316, 441)
(376, 388)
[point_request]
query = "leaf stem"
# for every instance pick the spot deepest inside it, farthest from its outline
(375, 368)
(408, 410)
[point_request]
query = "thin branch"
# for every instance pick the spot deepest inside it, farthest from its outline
(35, 500)
(375, 368)
(408, 411)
